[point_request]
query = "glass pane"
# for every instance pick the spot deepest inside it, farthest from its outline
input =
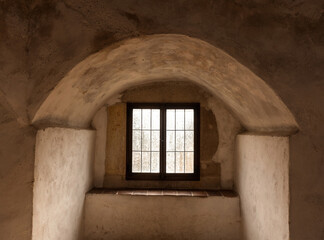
(189, 141)
(179, 141)
(136, 162)
(189, 117)
(146, 141)
(146, 161)
(170, 119)
(136, 118)
(179, 119)
(146, 121)
(180, 162)
(137, 140)
(170, 141)
(155, 162)
(155, 119)
(170, 162)
(155, 140)
(189, 162)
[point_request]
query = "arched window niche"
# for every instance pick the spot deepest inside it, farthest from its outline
(247, 151)
(218, 129)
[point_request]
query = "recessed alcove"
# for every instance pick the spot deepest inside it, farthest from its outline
(70, 157)
(218, 129)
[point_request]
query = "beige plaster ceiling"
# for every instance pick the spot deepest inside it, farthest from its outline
(148, 59)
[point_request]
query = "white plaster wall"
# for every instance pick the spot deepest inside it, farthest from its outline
(262, 183)
(99, 122)
(63, 174)
(109, 216)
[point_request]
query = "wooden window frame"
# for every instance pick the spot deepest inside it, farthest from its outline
(163, 176)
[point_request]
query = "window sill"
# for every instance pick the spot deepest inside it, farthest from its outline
(165, 192)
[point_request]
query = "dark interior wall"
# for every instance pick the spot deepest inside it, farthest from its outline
(281, 41)
(17, 139)
(16, 177)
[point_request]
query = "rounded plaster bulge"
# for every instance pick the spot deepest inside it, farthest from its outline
(168, 56)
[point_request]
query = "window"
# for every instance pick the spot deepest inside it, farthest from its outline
(162, 141)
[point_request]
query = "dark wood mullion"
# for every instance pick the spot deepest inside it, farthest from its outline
(151, 142)
(175, 140)
(184, 140)
(129, 138)
(141, 138)
(197, 142)
(163, 142)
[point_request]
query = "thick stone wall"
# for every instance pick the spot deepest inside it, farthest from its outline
(17, 144)
(262, 182)
(282, 43)
(63, 174)
(109, 216)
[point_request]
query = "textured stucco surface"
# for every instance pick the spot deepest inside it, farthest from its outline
(99, 122)
(279, 41)
(17, 144)
(159, 217)
(263, 185)
(218, 129)
(63, 174)
(167, 56)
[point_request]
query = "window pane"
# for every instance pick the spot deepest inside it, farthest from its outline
(170, 162)
(137, 118)
(155, 119)
(155, 162)
(189, 116)
(170, 141)
(137, 140)
(136, 162)
(170, 119)
(179, 119)
(179, 143)
(180, 162)
(146, 121)
(189, 140)
(189, 162)
(155, 140)
(179, 140)
(146, 138)
(146, 161)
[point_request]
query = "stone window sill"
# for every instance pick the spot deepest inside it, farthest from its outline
(164, 192)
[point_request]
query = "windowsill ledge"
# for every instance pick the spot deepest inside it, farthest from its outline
(164, 192)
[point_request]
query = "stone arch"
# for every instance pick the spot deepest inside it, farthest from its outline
(167, 56)
(98, 78)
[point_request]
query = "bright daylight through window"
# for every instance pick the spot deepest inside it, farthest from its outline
(163, 141)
